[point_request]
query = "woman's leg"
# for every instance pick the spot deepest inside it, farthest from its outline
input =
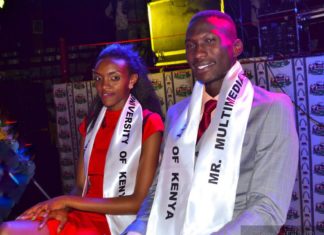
(22, 227)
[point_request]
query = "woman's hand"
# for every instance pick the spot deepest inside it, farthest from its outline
(42, 209)
(59, 215)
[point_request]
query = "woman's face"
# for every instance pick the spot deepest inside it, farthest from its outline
(113, 82)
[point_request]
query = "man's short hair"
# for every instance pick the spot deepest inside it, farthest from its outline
(214, 13)
(211, 13)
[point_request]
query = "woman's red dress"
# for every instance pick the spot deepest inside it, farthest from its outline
(80, 222)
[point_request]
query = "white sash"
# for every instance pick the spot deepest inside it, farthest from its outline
(198, 196)
(122, 159)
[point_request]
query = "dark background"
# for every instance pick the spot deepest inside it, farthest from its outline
(24, 102)
(33, 23)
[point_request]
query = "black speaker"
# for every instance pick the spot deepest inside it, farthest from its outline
(278, 33)
(311, 24)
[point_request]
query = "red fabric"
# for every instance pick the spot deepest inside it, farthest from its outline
(153, 124)
(210, 105)
(80, 222)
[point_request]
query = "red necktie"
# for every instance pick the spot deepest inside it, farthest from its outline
(210, 105)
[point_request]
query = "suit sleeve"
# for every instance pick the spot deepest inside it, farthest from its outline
(273, 174)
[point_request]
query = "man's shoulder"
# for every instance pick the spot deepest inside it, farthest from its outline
(179, 106)
(265, 97)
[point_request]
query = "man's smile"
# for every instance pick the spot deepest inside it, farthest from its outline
(200, 67)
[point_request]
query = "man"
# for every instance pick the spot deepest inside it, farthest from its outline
(237, 176)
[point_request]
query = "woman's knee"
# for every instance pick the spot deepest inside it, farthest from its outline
(21, 227)
(5, 228)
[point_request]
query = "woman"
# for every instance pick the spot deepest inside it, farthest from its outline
(119, 154)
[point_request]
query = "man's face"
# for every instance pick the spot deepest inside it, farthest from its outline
(209, 48)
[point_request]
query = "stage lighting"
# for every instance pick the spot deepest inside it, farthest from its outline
(168, 21)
